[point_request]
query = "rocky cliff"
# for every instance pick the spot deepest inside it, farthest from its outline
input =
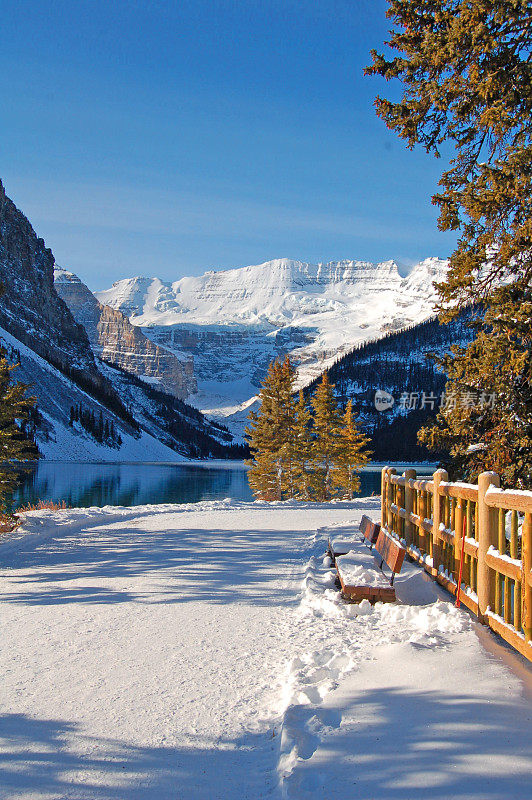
(114, 339)
(30, 308)
(55, 357)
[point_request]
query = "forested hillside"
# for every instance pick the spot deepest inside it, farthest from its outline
(400, 365)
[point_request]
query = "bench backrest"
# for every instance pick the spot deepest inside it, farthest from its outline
(369, 530)
(391, 551)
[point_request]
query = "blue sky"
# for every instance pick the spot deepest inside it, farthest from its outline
(167, 138)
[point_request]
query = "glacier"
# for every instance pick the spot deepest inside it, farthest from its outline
(234, 322)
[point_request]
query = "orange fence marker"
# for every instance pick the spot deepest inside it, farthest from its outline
(458, 588)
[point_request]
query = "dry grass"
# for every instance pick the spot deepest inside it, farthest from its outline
(40, 505)
(9, 522)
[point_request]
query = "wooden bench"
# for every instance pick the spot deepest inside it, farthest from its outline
(361, 578)
(370, 531)
(340, 545)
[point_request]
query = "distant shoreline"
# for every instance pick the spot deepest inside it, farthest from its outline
(215, 463)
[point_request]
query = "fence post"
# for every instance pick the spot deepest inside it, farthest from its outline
(488, 534)
(526, 566)
(439, 476)
(384, 496)
(409, 505)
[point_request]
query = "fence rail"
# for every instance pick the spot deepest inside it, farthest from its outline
(438, 521)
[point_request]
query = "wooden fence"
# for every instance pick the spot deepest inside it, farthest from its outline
(428, 515)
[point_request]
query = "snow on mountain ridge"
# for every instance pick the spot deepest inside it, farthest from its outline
(234, 322)
(270, 294)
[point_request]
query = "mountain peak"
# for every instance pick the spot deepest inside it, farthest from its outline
(64, 276)
(278, 292)
(234, 322)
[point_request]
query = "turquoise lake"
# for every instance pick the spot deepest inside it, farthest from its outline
(84, 485)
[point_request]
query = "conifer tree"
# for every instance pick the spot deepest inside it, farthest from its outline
(263, 475)
(287, 410)
(263, 440)
(467, 76)
(271, 435)
(15, 446)
(326, 439)
(467, 72)
(486, 421)
(351, 454)
(303, 449)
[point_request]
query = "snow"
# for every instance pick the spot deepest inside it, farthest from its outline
(475, 448)
(203, 651)
(234, 322)
(493, 551)
(359, 568)
(65, 443)
(343, 543)
(278, 292)
(73, 445)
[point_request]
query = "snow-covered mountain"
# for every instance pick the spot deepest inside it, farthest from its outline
(56, 394)
(399, 366)
(234, 322)
(104, 392)
(124, 359)
(116, 341)
(280, 293)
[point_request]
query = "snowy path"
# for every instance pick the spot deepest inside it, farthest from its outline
(176, 652)
(146, 650)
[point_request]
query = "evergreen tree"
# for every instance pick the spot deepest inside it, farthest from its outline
(287, 410)
(326, 439)
(263, 475)
(303, 448)
(351, 454)
(486, 422)
(15, 445)
(467, 71)
(260, 434)
(271, 435)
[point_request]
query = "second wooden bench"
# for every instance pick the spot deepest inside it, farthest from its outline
(361, 578)
(339, 545)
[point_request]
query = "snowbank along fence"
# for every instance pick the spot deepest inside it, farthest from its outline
(430, 517)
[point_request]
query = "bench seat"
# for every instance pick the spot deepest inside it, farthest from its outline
(344, 541)
(361, 578)
(339, 546)
(360, 574)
